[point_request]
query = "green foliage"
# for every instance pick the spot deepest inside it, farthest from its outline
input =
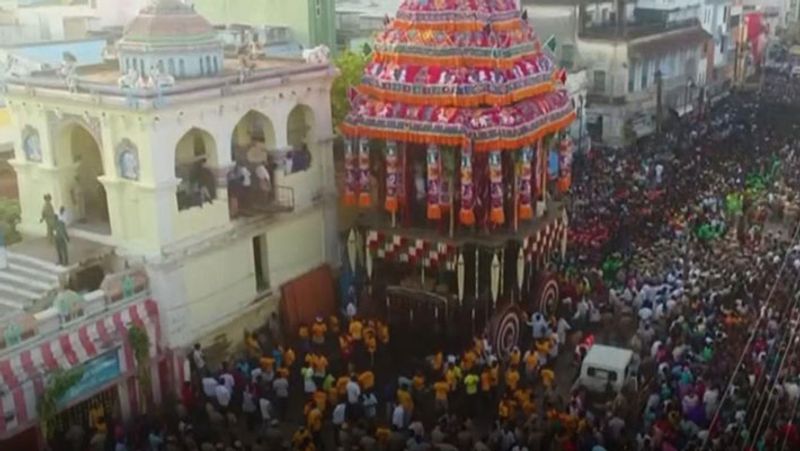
(9, 218)
(58, 385)
(140, 343)
(351, 67)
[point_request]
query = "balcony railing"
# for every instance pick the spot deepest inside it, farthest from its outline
(254, 201)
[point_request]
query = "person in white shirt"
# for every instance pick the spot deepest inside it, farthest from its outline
(265, 407)
(339, 416)
(370, 404)
(398, 417)
(198, 359)
(210, 386)
(281, 388)
(223, 396)
(227, 379)
(353, 391)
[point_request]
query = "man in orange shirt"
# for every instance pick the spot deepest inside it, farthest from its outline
(512, 379)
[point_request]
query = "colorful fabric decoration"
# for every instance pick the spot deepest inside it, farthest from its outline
(525, 184)
(552, 164)
(364, 197)
(496, 213)
(538, 173)
(350, 174)
(434, 182)
(392, 177)
(565, 165)
(467, 213)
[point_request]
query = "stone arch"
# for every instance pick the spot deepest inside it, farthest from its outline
(196, 161)
(253, 133)
(300, 136)
(79, 157)
(300, 125)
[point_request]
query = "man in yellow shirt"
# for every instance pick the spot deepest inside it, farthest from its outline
(356, 328)
(441, 390)
(548, 377)
(471, 382)
(405, 400)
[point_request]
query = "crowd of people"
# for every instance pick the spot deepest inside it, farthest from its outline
(688, 241)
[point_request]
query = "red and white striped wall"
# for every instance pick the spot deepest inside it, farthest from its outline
(22, 371)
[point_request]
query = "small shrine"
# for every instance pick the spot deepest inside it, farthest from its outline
(455, 154)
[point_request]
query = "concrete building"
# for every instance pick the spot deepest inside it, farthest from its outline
(622, 55)
(715, 17)
(28, 21)
(313, 22)
(215, 184)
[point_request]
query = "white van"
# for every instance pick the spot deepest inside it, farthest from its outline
(607, 365)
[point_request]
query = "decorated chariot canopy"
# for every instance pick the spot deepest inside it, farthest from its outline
(467, 73)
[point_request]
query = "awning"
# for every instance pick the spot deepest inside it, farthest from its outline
(22, 372)
(683, 110)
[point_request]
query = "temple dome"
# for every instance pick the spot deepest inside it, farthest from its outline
(172, 36)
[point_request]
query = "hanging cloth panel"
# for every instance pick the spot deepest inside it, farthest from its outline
(496, 213)
(392, 177)
(467, 213)
(434, 182)
(364, 198)
(350, 174)
(526, 184)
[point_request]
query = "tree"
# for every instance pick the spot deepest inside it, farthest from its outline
(140, 342)
(9, 218)
(58, 384)
(351, 67)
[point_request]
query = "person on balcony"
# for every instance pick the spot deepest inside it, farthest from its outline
(264, 182)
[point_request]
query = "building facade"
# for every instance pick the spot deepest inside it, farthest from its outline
(313, 22)
(217, 182)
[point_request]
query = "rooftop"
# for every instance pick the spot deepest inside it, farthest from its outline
(104, 79)
(634, 31)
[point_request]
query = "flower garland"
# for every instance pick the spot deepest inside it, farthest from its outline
(467, 213)
(496, 215)
(392, 177)
(525, 181)
(364, 198)
(434, 188)
(350, 176)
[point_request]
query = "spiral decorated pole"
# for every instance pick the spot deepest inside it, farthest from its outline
(505, 329)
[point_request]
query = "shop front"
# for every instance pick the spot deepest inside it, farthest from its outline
(99, 351)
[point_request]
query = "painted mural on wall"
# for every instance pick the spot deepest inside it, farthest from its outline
(31, 144)
(128, 160)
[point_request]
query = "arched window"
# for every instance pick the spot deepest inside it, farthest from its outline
(181, 68)
(202, 66)
(161, 66)
(216, 65)
(172, 67)
(141, 67)
(208, 64)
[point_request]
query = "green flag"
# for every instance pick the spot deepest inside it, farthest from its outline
(551, 43)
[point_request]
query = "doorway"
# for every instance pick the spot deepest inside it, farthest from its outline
(260, 262)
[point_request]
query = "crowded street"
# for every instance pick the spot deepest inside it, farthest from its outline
(406, 225)
(683, 248)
